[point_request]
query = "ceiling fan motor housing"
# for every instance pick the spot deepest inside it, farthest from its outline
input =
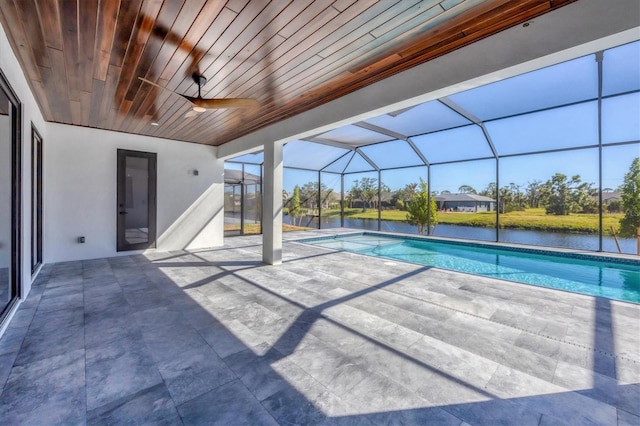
(200, 80)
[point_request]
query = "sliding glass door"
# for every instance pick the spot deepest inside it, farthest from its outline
(10, 202)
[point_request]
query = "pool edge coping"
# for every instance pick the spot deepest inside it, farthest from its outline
(549, 251)
(484, 244)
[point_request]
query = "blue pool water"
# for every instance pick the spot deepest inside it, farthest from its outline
(598, 276)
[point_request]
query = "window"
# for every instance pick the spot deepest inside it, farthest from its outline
(36, 199)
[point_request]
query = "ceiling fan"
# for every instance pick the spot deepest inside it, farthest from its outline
(201, 104)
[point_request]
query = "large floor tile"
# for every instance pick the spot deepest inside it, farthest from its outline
(193, 373)
(118, 369)
(48, 391)
(229, 404)
(41, 343)
(152, 406)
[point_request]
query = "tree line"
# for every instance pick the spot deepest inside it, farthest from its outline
(559, 195)
(305, 198)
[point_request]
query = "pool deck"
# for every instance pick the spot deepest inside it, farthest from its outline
(216, 337)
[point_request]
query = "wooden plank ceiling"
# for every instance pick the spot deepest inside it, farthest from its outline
(83, 58)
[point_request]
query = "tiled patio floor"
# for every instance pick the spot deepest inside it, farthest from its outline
(215, 337)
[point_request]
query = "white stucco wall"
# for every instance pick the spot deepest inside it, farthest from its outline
(81, 192)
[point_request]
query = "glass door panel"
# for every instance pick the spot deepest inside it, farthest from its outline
(10, 198)
(36, 200)
(232, 209)
(136, 200)
(5, 205)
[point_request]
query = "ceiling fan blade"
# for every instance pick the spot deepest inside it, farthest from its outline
(210, 103)
(165, 88)
(223, 103)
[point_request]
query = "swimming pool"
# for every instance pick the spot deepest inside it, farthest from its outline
(613, 278)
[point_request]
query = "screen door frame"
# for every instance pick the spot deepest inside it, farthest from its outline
(121, 208)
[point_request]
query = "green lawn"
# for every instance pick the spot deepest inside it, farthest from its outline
(254, 228)
(532, 219)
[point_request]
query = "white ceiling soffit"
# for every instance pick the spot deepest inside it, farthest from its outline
(574, 30)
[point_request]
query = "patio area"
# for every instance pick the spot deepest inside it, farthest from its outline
(216, 337)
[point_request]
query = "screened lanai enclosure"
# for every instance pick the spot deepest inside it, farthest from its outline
(550, 157)
(242, 199)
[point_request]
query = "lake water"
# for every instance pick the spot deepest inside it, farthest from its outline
(539, 238)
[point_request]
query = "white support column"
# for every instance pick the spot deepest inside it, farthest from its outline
(272, 204)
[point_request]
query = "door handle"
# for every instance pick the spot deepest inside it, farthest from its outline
(123, 212)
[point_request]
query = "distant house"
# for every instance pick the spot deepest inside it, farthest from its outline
(608, 197)
(465, 203)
